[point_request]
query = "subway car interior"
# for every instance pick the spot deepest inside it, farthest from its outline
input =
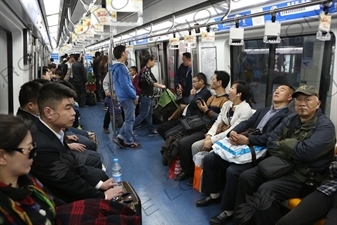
(264, 43)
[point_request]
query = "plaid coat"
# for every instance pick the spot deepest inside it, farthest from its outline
(96, 212)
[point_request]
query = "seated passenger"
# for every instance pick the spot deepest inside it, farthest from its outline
(199, 90)
(322, 203)
(265, 119)
(211, 110)
(305, 139)
(59, 168)
(30, 113)
(24, 200)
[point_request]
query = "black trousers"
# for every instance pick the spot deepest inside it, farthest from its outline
(185, 151)
(165, 128)
(215, 166)
(311, 209)
(80, 92)
(106, 121)
(261, 198)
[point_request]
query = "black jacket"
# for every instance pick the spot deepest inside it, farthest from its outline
(193, 108)
(27, 117)
(79, 73)
(55, 165)
(254, 120)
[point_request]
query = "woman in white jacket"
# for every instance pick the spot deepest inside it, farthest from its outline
(233, 112)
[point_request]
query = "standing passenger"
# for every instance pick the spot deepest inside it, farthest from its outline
(146, 82)
(126, 95)
(79, 80)
(183, 78)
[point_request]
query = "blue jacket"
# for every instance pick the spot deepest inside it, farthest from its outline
(253, 122)
(122, 82)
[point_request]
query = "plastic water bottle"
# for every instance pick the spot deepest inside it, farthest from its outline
(117, 172)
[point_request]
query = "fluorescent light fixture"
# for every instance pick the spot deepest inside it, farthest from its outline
(52, 6)
(53, 20)
(53, 29)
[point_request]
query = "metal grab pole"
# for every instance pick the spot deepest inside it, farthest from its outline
(111, 86)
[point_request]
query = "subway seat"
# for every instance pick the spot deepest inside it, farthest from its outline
(293, 202)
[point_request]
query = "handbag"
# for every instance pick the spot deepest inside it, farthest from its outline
(238, 154)
(193, 123)
(274, 167)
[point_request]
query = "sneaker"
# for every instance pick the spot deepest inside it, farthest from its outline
(153, 133)
(106, 130)
(134, 145)
(105, 108)
(119, 142)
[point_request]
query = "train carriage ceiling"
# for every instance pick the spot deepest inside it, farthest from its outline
(152, 10)
(54, 14)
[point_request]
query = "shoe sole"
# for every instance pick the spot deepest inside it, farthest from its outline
(119, 144)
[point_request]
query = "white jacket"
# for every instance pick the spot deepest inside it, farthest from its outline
(242, 112)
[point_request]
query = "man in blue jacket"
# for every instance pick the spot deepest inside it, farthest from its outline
(126, 95)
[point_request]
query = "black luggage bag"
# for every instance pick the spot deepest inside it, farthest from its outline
(132, 199)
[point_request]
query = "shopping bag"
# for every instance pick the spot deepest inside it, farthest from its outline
(198, 169)
(239, 154)
(174, 168)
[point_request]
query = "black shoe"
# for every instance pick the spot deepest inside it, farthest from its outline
(181, 176)
(220, 219)
(207, 201)
(190, 182)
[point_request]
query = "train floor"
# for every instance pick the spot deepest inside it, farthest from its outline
(164, 201)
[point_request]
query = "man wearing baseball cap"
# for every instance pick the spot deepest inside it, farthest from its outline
(305, 139)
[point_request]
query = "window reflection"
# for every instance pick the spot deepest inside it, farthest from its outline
(298, 61)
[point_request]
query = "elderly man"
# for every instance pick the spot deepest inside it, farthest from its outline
(306, 142)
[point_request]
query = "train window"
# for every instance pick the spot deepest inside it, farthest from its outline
(301, 60)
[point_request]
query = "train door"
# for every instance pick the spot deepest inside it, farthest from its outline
(6, 72)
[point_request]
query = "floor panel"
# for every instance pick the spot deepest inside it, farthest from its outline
(164, 201)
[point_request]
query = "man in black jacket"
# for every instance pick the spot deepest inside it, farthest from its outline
(79, 80)
(183, 78)
(55, 165)
(97, 75)
(265, 119)
(199, 90)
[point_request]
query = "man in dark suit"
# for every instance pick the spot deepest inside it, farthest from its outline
(266, 120)
(183, 78)
(97, 75)
(79, 80)
(55, 165)
(199, 90)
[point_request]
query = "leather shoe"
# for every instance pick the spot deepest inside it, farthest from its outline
(207, 201)
(181, 176)
(220, 219)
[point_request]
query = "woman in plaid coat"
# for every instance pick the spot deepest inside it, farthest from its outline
(23, 200)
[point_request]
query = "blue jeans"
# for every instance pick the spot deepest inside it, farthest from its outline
(127, 128)
(146, 109)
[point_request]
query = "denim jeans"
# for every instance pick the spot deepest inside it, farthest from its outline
(146, 109)
(127, 128)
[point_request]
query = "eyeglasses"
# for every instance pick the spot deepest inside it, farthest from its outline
(30, 152)
(195, 81)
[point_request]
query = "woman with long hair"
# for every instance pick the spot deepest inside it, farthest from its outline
(24, 200)
(146, 82)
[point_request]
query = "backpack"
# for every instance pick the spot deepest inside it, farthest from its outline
(135, 82)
